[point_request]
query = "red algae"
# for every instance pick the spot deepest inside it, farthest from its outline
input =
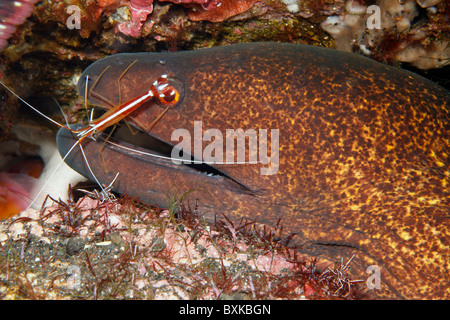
(140, 9)
(124, 250)
(205, 4)
(227, 9)
(106, 3)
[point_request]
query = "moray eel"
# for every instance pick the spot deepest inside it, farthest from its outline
(363, 152)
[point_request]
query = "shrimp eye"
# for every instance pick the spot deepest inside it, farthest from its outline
(169, 96)
(168, 91)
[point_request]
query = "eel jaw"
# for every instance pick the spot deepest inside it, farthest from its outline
(107, 156)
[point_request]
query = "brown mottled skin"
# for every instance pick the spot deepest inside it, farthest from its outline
(364, 152)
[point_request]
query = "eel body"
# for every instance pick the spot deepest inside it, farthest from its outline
(363, 163)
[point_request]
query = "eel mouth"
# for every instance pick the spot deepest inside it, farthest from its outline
(138, 145)
(150, 145)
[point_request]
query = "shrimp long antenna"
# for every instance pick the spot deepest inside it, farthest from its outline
(86, 92)
(66, 155)
(170, 159)
(158, 89)
(33, 108)
(62, 112)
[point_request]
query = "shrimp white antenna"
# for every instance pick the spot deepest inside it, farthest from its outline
(33, 108)
(66, 155)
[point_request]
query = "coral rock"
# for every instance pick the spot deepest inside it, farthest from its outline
(210, 10)
(428, 3)
(106, 3)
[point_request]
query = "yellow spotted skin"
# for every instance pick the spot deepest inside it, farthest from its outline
(364, 152)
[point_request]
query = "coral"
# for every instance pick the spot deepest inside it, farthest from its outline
(344, 27)
(314, 10)
(406, 34)
(424, 57)
(399, 15)
(291, 5)
(12, 14)
(227, 9)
